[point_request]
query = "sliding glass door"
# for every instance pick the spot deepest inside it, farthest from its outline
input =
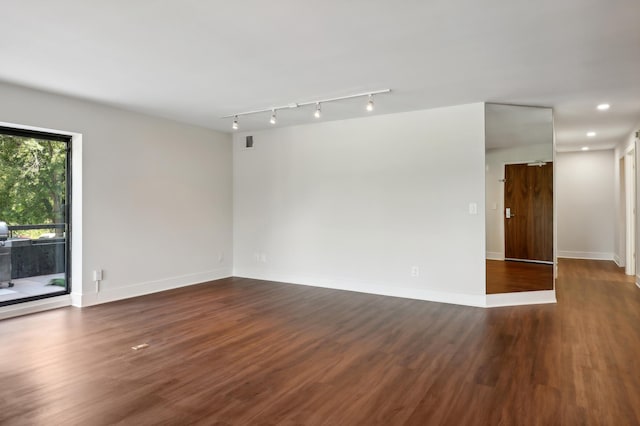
(35, 223)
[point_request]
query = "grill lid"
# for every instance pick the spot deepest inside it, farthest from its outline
(4, 231)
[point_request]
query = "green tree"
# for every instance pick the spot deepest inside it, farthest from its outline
(32, 180)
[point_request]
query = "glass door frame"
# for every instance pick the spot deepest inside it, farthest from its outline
(67, 139)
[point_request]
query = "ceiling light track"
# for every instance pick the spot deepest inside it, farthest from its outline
(369, 106)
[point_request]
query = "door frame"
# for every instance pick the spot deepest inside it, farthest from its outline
(67, 139)
(629, 187)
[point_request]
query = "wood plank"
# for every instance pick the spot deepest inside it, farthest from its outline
(241, 351)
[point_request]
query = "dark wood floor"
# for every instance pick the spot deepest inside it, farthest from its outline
(246, 352)
(510, 276)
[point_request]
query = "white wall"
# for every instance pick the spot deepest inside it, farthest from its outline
(156, 194)
(586, 204)
(355, 204)
(495, 160)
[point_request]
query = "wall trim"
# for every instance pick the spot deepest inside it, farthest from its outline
(76, 299)
(589, 255)
(521, 298)
(618, 261)
(140, 289)
(144, 288)
(474, 300)
(41, 305)
(495, 255)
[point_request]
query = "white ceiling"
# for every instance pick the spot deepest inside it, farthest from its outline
(197, 60)
(508, 126)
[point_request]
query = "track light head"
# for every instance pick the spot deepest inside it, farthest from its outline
(370, 103)
(273, 119)
(318, 112)
(234, 126)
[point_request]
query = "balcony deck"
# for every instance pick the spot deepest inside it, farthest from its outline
(30, 286)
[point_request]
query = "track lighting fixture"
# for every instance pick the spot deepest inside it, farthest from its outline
(317, 113)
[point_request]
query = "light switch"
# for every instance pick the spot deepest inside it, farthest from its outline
(473, 208)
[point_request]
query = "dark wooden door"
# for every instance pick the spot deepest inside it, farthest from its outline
(528, 193)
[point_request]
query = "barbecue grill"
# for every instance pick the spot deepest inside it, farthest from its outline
(5, 256)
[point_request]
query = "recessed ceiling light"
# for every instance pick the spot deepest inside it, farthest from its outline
(585, 148)
(604, 107)
(591, 134)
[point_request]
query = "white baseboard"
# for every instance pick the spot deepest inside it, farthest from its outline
(378, 289)
(140, 289)
(475, 300)
(618, 261)
(590, 255)
(35, 306)
(76, 299)
(521, 298)
(495, 255)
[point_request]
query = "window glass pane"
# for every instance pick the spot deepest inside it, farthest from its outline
(34, 223)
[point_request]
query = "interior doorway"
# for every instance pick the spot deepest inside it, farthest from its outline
(528, 216)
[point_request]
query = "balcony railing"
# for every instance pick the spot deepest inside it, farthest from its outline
(38, 256)
(13, 228)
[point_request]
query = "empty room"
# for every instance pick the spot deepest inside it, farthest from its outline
(319, 213)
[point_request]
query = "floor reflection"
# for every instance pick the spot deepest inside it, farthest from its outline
(509, 276)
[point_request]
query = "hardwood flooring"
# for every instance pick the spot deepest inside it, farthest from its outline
(243, 352)
(511, 276)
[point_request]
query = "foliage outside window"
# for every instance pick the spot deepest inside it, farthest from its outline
(32, 183)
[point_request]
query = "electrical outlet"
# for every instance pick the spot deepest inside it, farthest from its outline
(415, 271)
(263, 258)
